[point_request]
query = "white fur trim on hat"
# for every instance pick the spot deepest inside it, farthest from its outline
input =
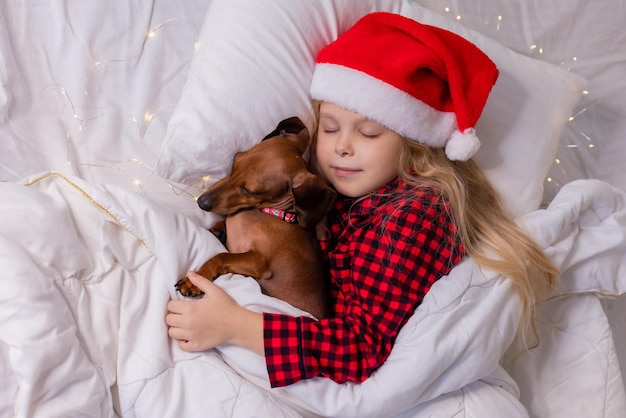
(462, 145)
(381, 102)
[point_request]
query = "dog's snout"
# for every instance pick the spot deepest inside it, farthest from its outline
(205, 201)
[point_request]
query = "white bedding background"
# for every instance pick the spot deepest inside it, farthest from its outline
(82, 330)
(87, 89)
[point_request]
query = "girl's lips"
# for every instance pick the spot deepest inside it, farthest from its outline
(344, 171)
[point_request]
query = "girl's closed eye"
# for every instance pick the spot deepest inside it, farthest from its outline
(370, 134)
(328, 126)
(372, 130)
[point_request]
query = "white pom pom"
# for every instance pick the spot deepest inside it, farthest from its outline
(462, 145)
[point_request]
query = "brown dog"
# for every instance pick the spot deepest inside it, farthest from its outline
(271, 203)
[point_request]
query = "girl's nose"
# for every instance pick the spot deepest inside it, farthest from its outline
(344, 146)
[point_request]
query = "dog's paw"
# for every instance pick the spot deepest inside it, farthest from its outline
(186, 288)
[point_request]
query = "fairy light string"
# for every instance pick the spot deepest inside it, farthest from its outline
(82, 117)
(574, 142)
(137, 170)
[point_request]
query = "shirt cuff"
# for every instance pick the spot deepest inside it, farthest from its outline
(282, 340)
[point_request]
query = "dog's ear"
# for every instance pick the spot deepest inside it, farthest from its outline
(313, 198)
(294, 129)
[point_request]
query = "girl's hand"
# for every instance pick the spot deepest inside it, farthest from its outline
(214, 320)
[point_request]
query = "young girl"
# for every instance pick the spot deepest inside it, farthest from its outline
(398, 101)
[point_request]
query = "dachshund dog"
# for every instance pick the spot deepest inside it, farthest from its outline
(271, 203)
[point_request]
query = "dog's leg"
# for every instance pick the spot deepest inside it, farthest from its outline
(248, 264)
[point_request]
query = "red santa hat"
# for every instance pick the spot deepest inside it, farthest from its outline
(423, 82)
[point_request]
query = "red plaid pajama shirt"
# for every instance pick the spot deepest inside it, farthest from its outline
(384, 254)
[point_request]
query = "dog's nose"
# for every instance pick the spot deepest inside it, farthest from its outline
(205, 201)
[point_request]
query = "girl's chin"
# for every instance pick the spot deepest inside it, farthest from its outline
(350, 190)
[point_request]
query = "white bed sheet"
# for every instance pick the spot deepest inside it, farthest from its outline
(87, 89)
(83, 332)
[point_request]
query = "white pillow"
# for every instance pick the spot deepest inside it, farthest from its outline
(253, 68)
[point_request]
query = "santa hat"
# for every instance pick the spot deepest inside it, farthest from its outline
(423, 82)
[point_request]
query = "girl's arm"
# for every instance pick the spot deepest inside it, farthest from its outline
(214, 320)
(381, 274)
(385, 287)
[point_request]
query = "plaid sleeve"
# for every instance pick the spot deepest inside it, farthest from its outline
(382, 274)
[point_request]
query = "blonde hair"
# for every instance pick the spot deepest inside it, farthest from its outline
(485, 227)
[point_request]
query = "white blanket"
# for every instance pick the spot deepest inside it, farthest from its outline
(86, 273)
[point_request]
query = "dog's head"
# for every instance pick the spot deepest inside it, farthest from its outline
(273, 174)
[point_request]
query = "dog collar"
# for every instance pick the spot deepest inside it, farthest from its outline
(289, 217)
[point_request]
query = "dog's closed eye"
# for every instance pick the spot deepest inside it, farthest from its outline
(247, 191)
